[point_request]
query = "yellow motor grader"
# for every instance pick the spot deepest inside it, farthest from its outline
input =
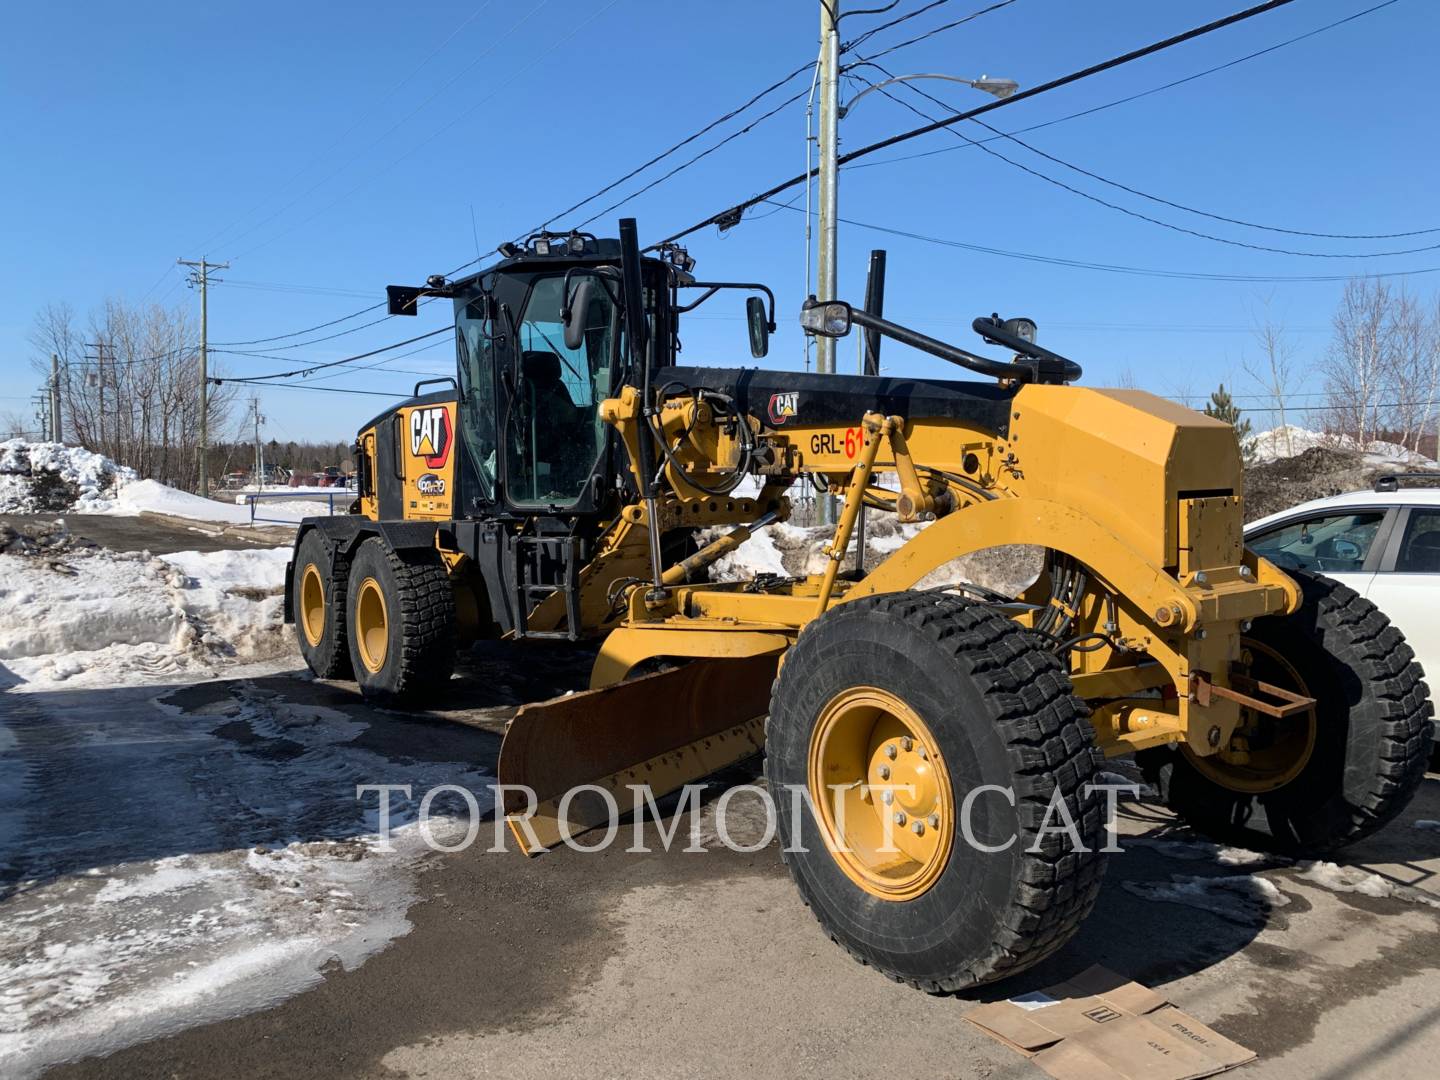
(942, 745)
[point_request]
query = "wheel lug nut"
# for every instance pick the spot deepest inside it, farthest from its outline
(884, 772)
(899, 817)
(888, 797)
(934, 821)
(923, 753)
(918, 828)
(890, 751)
(906, 743)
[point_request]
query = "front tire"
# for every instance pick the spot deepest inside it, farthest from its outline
(402, 623)
(938, 696)
(1368, 742)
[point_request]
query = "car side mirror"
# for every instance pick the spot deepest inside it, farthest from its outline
(577, 314)
(759, 320)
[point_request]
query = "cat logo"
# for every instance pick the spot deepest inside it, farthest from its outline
(784, 406)
(430, 435)
(430, 484)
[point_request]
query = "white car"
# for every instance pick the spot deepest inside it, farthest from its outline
(1384, 544)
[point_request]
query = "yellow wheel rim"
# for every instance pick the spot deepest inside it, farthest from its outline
(312, 605)
(372, 625)
(1266, 752)
(881, 792)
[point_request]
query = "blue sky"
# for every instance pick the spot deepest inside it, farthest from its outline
(327, 151)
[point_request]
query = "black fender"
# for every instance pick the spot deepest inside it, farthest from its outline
(343, 533)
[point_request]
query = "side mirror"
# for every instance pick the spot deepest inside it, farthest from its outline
(759, 321)
(577, 314)
(831, 319)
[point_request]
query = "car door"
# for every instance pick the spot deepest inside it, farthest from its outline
(1406, 587)
(1344, 543)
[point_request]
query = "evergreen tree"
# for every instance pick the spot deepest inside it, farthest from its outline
(1222, 407)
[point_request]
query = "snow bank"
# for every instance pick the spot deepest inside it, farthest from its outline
(92, 616)
(41, 476)
(151, 496)
(1291, 441)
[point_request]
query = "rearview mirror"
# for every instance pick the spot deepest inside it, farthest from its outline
(577, 314)
(830, 319)
(759, 321)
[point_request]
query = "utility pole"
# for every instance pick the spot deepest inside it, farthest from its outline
(57, 429)
(259, 452)
(826, 285)
(99, 361)
(200, 275)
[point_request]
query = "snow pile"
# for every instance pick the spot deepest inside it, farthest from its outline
(153, 497)
(47, 476)
(93, 615)
(1291, 441)
(795, 551)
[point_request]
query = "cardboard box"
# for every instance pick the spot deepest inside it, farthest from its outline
(1098, 1026)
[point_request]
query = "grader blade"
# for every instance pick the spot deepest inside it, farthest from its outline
(663, 730)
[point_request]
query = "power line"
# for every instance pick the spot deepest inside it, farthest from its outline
(1113, 268)
(310, 329)
(732, 215)
(868, 34)
(930, 33)
(312, 368)
(679, 145)
(1143, 93)
(1123, 209)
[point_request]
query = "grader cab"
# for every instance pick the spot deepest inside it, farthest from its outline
(943, 743)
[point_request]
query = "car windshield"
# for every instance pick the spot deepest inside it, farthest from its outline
(1333, 543)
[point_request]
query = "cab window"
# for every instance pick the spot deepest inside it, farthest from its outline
(1330, 543)
(555, 434)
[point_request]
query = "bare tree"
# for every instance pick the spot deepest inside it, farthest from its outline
(134, 393)
(1360, 358)
(1409, 370)
(1273, 370)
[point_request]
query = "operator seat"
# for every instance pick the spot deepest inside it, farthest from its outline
(560, 427)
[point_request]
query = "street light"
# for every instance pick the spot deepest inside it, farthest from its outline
(1001, 88)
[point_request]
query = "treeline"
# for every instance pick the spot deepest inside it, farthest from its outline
(130, 386)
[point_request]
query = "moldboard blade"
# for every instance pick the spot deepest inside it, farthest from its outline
(664, 730)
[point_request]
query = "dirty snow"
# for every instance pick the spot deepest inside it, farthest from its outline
(1202, 850)
(1245, 899)
(94, 617)
(211, 860)
(1291, 441)
(1352, 879)
(796, 551)
(86, 482)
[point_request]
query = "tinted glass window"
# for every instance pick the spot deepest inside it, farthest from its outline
(554, 429)
(1332, 543)
(1420, 546)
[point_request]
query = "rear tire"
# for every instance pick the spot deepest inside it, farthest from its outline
(317, 604)
(402, 623)
(992, 706)
(1371, 742)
